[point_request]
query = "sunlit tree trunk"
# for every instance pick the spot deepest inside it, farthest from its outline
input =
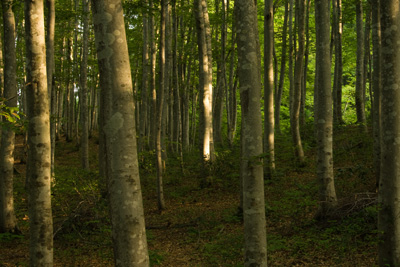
(160, 107)
(83, 90)
(323, 114)
(39, 143)
(204, 45)
(126, 207)
(389, 189)
(269, 122)
(255, 250)
(8, 222)
(51, 22)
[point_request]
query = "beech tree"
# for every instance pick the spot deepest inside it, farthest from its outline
(389, 190)
(39, 152)
(251, 136)
(8, 222)
(323, 115)
(124, 190)
(269, 122)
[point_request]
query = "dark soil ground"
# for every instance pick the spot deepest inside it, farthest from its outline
(201, 225)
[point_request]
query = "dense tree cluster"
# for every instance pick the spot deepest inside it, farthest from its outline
(166, 76)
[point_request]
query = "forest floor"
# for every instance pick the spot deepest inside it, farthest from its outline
(201, 225)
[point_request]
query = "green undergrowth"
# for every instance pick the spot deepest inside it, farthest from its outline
(202, 224)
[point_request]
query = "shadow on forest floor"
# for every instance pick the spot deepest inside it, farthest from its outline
(201, 226)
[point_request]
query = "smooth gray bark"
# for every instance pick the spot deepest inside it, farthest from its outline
(126, 206)
(323, 115)
(269, 120)
(255, 250)
(39, 143)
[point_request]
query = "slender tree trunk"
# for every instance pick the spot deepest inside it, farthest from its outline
(338, 74)
(39, 143)
(204, 44)
(323, 115)
(389, 190)
(51, 22)
(377, 86)
(305, 69)
(255, 249)
(153, 51)
(83, 89)
(360, 90)
(126, 207)
(143, 127)
(295, 114)
(8, 222)
(278, 96)
(269, 122)
(160, 108)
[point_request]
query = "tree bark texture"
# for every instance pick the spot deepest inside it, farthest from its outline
(278, 95)
(204, 46)
(324, 117)
(83, 90)
(389, 189)
(126, 207)
(39, 143)
(251, 137)
(360, 89)
(376, 86)
(295, 113)
(8, 222)
(269, 122)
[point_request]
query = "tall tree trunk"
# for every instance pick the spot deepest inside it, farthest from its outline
(126, 207)
(39, 143)
(338, 74)
(83, 89)
(231, 91)
(389, 190)
(278, 95)
(143, 127)
(360, 90)
(251, 138)
(376, 86)
(323, 115)
(305, 69)
(204, 44)
(269, 122)
(153, 51)
(295, 113)
(8, 222)
(221, 80)
(160, 107)
(51, 23)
